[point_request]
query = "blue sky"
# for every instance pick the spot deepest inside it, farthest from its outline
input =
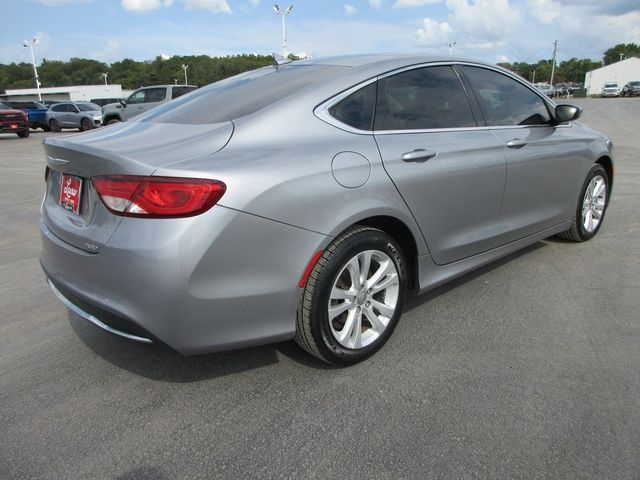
(490, 30)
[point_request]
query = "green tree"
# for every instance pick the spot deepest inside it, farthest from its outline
(622, 50)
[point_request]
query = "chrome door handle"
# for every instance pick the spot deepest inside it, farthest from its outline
(418, 155)
(516, 143)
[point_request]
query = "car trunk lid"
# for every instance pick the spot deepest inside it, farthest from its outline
(136, 148)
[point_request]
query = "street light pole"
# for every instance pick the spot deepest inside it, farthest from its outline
(104, 75)
(184, 67)
(30, 44)
(553, 64)
(450, 45)
(283, 13)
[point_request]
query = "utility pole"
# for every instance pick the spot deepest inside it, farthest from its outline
(185, 67)
(104, 75)
(533, 80)
(450, 45)
(30, 45)
(553, 64)
(283, 14)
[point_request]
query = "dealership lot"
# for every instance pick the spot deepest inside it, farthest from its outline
(527, 368)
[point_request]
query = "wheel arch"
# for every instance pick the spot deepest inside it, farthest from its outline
(402, 234)
(607, 164)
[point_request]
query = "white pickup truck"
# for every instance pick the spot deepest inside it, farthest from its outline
(142, 100)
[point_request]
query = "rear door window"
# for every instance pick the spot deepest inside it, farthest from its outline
(179, 91)
(423, 98)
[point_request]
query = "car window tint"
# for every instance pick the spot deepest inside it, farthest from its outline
(59, 108)
(357, 109)
(430, 97)
(179, 91)
(241, 95)
(137, 97)
(155, 95)
(506, 101)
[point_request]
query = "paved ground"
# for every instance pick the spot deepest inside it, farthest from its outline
(526, 369)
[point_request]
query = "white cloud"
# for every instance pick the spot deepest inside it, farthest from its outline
(56, 3)
(375, 4)
(255, 3)
(141, 5)
(214, 6)
(350, 9)
(545, 11)
(433, 33)
(414, 3)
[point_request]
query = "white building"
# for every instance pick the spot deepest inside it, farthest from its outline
(621, 72)
(76, 93)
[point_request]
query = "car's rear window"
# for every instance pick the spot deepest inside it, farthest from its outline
(241, 95)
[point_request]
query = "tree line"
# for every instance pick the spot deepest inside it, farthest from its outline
(132, 74)
(573, 70)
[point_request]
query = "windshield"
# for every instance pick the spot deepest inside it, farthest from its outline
(241, 95)
(4, 107)
(88, 107)
(610, 85)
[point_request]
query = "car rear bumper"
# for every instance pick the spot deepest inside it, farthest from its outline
(13, 127)
(218, 281)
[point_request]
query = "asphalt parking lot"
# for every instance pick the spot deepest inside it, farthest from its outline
(528, 368)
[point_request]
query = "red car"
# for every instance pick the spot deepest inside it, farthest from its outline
(14, 121)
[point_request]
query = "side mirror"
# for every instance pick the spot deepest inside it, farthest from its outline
(566, 113)
(123, 102)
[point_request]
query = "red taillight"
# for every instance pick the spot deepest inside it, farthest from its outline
(154, 197)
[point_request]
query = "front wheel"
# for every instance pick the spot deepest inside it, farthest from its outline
(592, 205)
(54, 126)
(24, 133)
(353, 298)
(111, 121)
(85, 125)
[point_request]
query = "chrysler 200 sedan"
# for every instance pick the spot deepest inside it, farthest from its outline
(306, 200)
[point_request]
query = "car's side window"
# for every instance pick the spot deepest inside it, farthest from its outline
(59, 108)
(505, 101)
(73, 108)
(423, 98)
(357, 109)
(137, 97)
(155, 95)
(179, 91)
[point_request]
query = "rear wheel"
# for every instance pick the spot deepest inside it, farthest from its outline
(24, 133)
(54, 126)
(353, 298)
(85, 124)
(592, 205)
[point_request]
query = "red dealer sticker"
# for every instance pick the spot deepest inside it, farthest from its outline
(70, 191)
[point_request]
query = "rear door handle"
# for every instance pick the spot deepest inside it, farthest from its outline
(418, 155)
(516, 143)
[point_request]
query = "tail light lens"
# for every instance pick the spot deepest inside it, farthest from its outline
(158, 197)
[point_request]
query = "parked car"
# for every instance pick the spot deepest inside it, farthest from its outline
(547, 91)
(631, 89)
(104, 101)
(81, 115)
(611, 89)
(143, 100)
(36, 112)
(305, 201)
(13, 121)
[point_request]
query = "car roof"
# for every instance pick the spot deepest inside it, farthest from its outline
(384, 60)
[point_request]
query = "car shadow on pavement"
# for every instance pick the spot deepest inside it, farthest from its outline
(159, 362)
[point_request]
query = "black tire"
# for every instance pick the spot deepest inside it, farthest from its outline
(313, 328)
(111, 121)
(24, 133)
(85, 124)
(54, 126)
(46, 128)
(577, 232)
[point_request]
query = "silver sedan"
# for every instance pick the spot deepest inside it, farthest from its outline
(307, 200)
